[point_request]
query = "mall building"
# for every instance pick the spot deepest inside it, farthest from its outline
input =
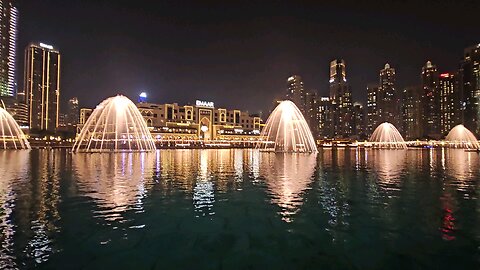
(199, 122)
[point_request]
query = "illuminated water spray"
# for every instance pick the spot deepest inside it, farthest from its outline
(386, 135)
(11, 136)
(287, 131)
(461, 137)
(115, 125)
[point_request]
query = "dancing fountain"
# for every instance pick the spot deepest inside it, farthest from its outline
(287, 131)
(11, 136)
(461, 137)
(115, 125)
(386, 135)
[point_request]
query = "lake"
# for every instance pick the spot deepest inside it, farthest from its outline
(240, 209)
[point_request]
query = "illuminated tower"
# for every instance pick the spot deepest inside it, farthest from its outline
(42, 86)
(449, 102)
(341, 101)
(469, 86)
(8, 46)
(296, 92)
(431, 101)
(372, 108)
(388, 99)
(73, 115)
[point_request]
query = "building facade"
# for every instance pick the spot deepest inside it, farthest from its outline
(324, 118)
(431, 101)
(469, 86)
(372, 108)
(296, 92)
(8, 48)
(449, 102)
(73, 114)
(42, 86)
(412, 113)
(202, 121)
(84, 115)
(359, 121)
(341, 101)
(388, 103)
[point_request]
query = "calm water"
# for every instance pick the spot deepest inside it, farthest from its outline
(237, 209)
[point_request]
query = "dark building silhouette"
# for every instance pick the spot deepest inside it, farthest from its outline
(341, 101)
(469, 86)
(431, 101)
(412, 112)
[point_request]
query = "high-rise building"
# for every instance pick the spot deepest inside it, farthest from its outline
(359, 121)
(431, 101)
(469, 86)
(449, 102)
(311, 111)
(341, 100)
(324, 117)
(372, 108)
(8, 47)
(412, 112)
(296, 91)
(73, 115)
(17, 108)
(42, 86)
(388, 101)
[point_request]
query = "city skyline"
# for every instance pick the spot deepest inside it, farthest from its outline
(246, 54)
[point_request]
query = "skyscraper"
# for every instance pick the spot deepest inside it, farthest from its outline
(311, 111)
(296, 91)
(412, 112)
(372, 108)
(42, 86)
(388, 101)
(73, 115)
(449, 102)
(469, 84)
(358, 121)
(8, 47)
(341, 100)
(431, 101)
(324, 117)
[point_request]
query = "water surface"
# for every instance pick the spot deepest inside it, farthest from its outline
(237, 209)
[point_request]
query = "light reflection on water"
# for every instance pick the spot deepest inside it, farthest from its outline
(340, 199)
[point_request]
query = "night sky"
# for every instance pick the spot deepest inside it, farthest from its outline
(240, 55)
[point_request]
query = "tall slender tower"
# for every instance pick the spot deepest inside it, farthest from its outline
(388, 98)
(296, 91)
(8, 47)
(341, 101)
(469, 84)
(372, 108)
(431, 103)
(42, 86)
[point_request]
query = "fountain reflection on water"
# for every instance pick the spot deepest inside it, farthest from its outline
(11, 136)
(115, 125)
(386, 135)
(117, 182)
(461, 137)
(287, 177)
(287, 131)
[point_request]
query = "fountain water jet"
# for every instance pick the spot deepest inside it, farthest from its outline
(287, 131)
(461, 137)
(386, 135)
(115, 125)
(11, 136)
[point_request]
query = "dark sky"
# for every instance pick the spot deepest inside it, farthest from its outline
(239, 54)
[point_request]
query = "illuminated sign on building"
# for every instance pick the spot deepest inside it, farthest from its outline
(43, 45)
(201, 103)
